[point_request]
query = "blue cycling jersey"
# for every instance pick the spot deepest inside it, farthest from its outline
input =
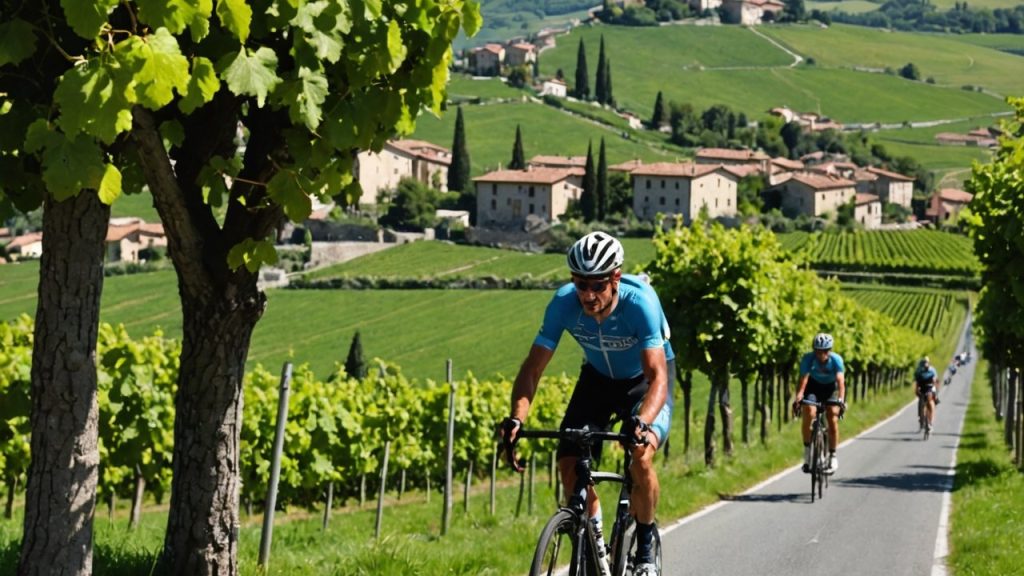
(926, 377)
(613, 346)
(824, 373)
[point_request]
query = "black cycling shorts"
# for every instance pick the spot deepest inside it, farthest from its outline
(820, 391)
(597, 397)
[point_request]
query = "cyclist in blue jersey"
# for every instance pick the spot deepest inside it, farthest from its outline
(821, 380)
(926, 387)
(618, 321)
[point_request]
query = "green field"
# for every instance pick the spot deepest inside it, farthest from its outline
(745, 72)
(945, 58)
(462, 87)
(925, 310)
(912, 251)
(1006, 42)
(848, 6)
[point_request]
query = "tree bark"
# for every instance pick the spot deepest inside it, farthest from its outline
(140, 492)
(725, 408)
(60, 499)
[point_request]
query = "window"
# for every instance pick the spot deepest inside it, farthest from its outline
(531, 207)
(531, 195)
(677, 201)
(662, 183)
(661, 200)
(677, 184)
(728, 202)
(716, 202)
(494, 204)
(648, 183)
(494, 189)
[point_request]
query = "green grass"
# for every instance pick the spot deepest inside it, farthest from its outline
(987, 519)
(848, 6)
(462, 87)
(1005, 42)
(950, 61)
(139, 204)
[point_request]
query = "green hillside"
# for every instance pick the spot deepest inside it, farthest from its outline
(946, 58)
(747, 73)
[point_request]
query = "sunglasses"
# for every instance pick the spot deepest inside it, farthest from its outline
(595, 286)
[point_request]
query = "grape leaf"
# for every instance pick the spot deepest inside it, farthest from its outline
(162, 68)
(110, 184)
(175, 15)
(202, 85)
(69, 166)
(252, 74)
(304, 97)
(236, 16)
(17, 41)
(86, 17)
(288, 188)
(94, 99)
(252, 254)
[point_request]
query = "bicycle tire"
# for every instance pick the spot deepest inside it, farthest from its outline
(624, 558)
(817, 454)
(552, 553)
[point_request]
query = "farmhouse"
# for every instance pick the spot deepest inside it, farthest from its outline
(684, 189)
(381, 171)
(553, 87)
(520, 54)
(545, 161)
(750, 12)
(946, 204)
(506, 197)
(867, 210)
(892, 186)
(814, 194)
(25, 246)
(729, 157)
(126, 237)
(487, 60)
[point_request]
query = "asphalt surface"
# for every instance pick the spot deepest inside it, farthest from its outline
(884, 512)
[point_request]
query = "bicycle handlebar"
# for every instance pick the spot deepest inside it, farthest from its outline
(576, 435)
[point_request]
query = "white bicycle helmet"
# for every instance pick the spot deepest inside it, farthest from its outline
(596, 254)
(823, 341)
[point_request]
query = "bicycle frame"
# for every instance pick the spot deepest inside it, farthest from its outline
(584, 546)
(819, 449)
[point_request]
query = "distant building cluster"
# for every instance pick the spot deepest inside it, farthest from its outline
(126, 240)
(980, 137)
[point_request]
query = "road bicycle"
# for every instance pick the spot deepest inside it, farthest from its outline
(819, 448)
(568, 537)
(922, 411)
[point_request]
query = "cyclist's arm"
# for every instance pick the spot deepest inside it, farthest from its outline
(841, 385)
(655, 370)
(802, 386)
(527, 380)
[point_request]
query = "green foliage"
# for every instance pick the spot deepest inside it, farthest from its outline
(459, 171)
(15, 378)
(355, 363)
(588, 196)
(518, 155)
(413, 207)
(581, 89)
(909, 251)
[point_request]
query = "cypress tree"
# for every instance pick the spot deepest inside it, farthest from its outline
(518, 157)
(458, 172)
(355, 365)
(582, 87)
(609, 99)
(600, 81)
(660, 116)
(588, 202)
(602, 184)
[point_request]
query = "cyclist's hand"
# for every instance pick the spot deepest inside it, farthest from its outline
(936, 400)
(796, 408)
(842, 408)
(509, 427)
(637, 429)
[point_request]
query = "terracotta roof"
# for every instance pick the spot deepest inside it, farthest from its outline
(533, 175)
(25, 240)
(677, 169)
(729, 154)
(787, 163)
(559, 161)
(741, 170)
(627, 166)
(117, 233)
(955, 195)
(862, 199)
(890, 174)
(423, 149)
(822, 181)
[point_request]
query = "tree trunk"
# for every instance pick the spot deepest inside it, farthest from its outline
(686, 383)
(202, 523)
(709, 427)
(725, 409)
(60, 498)
(140, 491)
(12, 489)
(745, 416)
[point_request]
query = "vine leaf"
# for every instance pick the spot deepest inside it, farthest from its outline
(252, 73)
(17, 41)
(252, 254)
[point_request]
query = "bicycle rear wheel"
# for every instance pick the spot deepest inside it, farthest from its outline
(558, 545)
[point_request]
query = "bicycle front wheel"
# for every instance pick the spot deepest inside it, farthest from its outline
(817, 460)
(624, 549)
(559, 545)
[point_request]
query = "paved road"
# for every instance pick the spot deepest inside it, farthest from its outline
(884, 512)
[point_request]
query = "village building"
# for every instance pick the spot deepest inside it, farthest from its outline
(547, 161)
(520, 54)
(506, 197)
(946, 204)
(28, 245)
(381, 171)
(554, 87)
(127, 238)
(683, 189)
(867, 210)
(751, 12)
(486, 60)
(730, 157)
(892, 187)
(814, 194)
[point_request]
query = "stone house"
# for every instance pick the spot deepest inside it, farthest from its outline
(28, 245)
(750, 12)
(520, 54)
(554, 87)
(127, 237)
(814, 194)
(486, 60)
(547, 161)
(945, 205)
(892, 186)
(867, 210)
(684, 189)
(381, 171)
(504, 198)
(730, 157)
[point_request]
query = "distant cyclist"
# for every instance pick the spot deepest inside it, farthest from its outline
(927, 389)
(618, 321)
(822, 380)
